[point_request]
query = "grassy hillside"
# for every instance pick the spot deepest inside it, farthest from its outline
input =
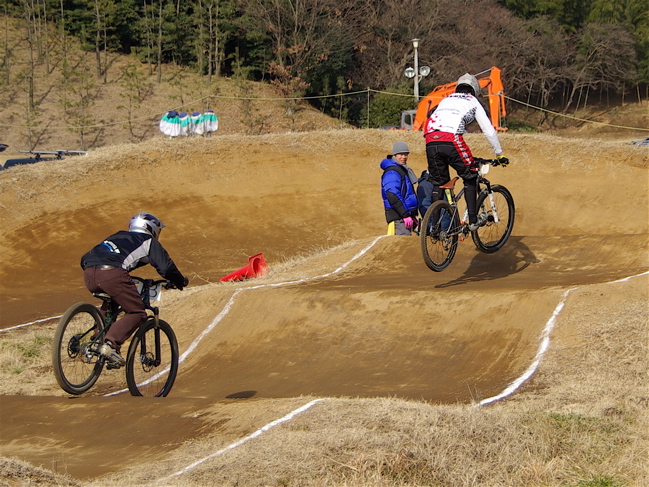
(67, 105)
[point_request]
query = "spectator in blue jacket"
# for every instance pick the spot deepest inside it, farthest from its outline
(397, 189)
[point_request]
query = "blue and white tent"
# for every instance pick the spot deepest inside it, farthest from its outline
(210, 122)
(185, 121)
(170, 124)
(196, 126)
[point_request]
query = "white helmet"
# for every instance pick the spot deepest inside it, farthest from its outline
(146, 223)
(470, 81)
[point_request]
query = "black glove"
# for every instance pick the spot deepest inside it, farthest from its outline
(502, 160)
(182, 284)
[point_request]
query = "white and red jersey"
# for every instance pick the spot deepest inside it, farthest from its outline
(453, 114)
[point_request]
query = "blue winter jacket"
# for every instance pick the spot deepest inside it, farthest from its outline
(399, 198)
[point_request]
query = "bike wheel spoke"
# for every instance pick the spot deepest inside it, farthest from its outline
(439, 237)
(76, 367)
(498, 217)
(152, 361)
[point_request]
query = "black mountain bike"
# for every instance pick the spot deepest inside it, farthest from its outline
(152, 359)
(443, 226)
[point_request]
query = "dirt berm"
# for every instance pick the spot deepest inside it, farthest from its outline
(382, 325)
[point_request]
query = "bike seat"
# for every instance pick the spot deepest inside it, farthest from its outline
(104, 296)
(450, 184)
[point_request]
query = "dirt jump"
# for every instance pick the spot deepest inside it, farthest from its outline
(344, 311)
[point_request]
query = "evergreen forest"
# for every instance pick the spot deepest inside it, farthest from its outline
(554, 53)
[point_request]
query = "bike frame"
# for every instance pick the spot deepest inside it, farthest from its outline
(453, 199)
(76, 350)
(442, 226)
(111, 316)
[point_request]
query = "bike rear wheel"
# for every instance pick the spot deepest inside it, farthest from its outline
(439, 235)
(494, 234)
(76, 368)
(152, 360)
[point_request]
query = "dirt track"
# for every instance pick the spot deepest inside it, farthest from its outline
(384, 325)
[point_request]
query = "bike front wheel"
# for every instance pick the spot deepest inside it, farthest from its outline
(439, 235)
(498, 217)
(76, 366)
(152, 360)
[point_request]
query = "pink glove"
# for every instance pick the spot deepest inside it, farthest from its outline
(408, 222)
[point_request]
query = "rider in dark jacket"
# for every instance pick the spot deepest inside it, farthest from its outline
(106, 269)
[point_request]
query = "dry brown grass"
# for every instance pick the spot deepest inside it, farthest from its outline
(26, 361)
(15, 473)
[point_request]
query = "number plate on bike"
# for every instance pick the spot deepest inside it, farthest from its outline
(155, 292)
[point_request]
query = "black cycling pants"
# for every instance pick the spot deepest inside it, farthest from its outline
(441, 156)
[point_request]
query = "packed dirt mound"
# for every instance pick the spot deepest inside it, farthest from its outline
(226, 198)
(342, 312)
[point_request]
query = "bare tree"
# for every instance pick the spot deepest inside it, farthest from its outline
(28, 13)
(605, 59)
(213, 50)
(303, 33)
(159, 60)
(77, 97)
(135, 92)
(7, 52)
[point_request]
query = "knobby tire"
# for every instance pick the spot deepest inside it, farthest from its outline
(76, 371)
(439, 235)
(491, 237)
(152, 360)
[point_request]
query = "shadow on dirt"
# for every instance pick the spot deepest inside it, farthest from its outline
(514, 257)
(241, 395)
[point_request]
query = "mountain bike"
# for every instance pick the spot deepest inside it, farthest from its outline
(442, 227)
(152, 358)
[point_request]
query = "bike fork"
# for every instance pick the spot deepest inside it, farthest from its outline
(492, 201)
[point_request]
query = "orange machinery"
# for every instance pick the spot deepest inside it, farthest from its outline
(489, 79)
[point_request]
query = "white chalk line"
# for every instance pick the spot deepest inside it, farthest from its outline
(510, 389)
(229, 304)
(240, 442)
(544, 345)
(31, 323)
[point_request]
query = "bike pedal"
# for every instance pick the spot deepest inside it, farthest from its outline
(111, 366)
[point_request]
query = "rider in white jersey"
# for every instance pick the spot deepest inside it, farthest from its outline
(445, 145)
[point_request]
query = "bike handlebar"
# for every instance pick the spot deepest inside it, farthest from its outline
(166, 283)
(494, 162)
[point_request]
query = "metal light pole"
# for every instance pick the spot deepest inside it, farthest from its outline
(418, 72)
(415, 44)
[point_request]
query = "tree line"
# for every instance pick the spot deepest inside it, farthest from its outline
(552, 52)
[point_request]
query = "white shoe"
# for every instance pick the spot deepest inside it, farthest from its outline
(111, 355)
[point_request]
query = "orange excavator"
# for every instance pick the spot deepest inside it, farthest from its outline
(489, 79)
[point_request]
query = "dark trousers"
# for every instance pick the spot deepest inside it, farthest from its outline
(121, 288)
(441, 156)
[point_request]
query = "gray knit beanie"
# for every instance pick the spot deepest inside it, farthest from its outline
(400, 148)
